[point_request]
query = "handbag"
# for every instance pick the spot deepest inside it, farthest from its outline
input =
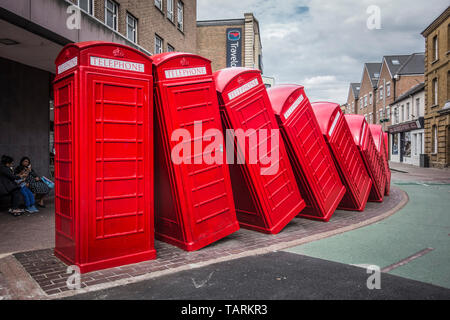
(48, 182)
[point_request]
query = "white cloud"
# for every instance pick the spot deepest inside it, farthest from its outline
(323, 44)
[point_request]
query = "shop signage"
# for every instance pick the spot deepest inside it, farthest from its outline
(234, 47)
(408, 126)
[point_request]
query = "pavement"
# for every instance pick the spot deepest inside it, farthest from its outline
(408, 244)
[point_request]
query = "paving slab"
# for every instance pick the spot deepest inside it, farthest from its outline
(51, 274)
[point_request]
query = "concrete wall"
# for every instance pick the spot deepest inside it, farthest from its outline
(24, 114)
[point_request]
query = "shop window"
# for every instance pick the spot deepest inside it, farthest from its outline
(407, 148)
(395, 144)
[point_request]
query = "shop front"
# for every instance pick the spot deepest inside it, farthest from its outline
(407, 141)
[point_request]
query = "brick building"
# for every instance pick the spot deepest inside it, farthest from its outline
(155, 25)
(353, 98)
(231, 42)
(437, 90)
(33, 32)
(368, 91)
(399, 73)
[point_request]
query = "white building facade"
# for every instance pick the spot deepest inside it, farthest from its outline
(407, 134)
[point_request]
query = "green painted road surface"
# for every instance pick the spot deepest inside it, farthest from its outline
(423, 223)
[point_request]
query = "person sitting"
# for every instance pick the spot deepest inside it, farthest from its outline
(8, 186)
(35, 183)
(23, 173)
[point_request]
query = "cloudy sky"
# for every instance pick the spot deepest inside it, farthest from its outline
(322, 44)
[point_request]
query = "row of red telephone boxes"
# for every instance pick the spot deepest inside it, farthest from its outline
(117, 186)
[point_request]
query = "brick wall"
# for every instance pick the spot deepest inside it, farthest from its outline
(212, 44)
(152, 20)
(351, 101)
(437, 69)
(385, 79)
(366, 88)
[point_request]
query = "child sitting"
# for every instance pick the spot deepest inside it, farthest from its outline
(27, 194)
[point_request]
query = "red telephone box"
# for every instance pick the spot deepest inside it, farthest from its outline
(372, 158)
(388, 173)
(103, 156)
(266, 200)
(310, 157)
(379, 139)
(194, 200)
(347, 158)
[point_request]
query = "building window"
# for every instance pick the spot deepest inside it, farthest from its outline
(381, 114)
(131, 28)
(403, 113)
(180, 15)
(388, 114)
(435, 91)
(371, 118)
(435, 48)
(434, 139)
(395, 144)
(170, 15)
(381, 93)
(365, 101)
(158, 44)
(158, 4)
(408, 113)
(396, 115)
(417, 108)
(370, 98)
(388, 90)
(170, 48)
(87, 6)
(111, 14)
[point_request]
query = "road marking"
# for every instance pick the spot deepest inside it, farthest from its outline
(407, 260)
